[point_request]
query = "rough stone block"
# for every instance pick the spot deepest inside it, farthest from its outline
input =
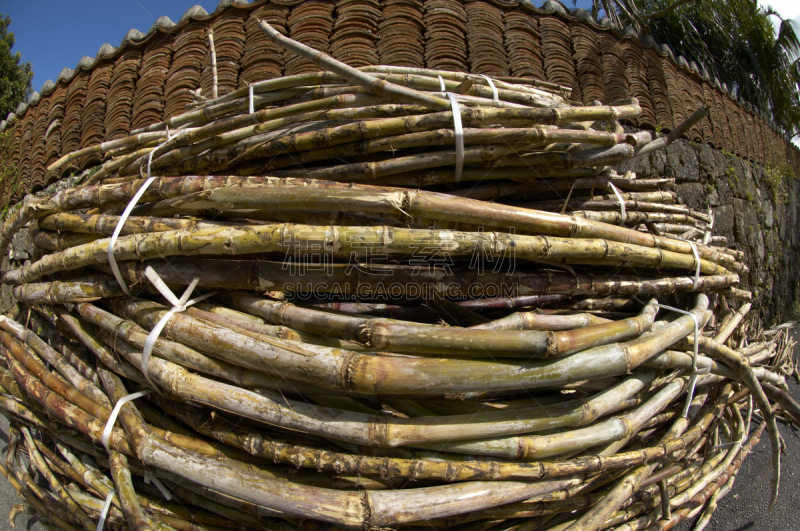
(724, 191)
(693, 195)
(682, 162)
(720, 163)
(706, 161)
(723, 220)
(640, 166)
(658, 162)
(745, 223)
(767, 212)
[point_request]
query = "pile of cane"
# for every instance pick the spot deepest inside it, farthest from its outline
(381, 298)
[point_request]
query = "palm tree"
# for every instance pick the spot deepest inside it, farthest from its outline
(734, 39)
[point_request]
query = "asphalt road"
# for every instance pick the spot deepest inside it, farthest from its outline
(744, 508)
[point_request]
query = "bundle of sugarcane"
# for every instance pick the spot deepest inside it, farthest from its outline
(399, 354)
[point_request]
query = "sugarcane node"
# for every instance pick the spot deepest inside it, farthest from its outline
(553, 345)
(365, 334)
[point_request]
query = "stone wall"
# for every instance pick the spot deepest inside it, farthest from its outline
(755, 207)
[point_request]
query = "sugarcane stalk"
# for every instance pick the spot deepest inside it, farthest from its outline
(460, 77)
(742, 367)
(105, 224)
(38, 506)
(522, 139)
(21, 342)
(237, 143)
(94, 506)
(533, 447)
(327, 506)
(372, 84)
(611, 205)
(634, 218)
(194, 360)
(676, 133)
(780, 396)
(102, 485)
(113, 165)
(52, 513)
(385, 334)
(50, 241)
(105, 147)
(241, 121)
(89, 412)
(125, 492)
(345, 241)
(696, 503)
(395, 431)
(190, 492)
(624, 489)
(407, 283)
(675, 360)
(536, 321)
(387, 120)
(339, 463)
(79, 360)
(91, 477)
(725, 332)
(421, 204)
(87, 338)
(56, 292)
(711, 504)
(429, 205)
(129, 502)
(43, 469)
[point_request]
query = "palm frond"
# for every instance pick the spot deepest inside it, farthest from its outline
(734, 39)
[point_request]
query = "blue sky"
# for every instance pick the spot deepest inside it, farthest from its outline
(53, 34)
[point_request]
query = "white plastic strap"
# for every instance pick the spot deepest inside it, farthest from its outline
(121, 223)
(495, 95)
(623, 215)
(178, 305)
(104, 513)
(459, 136)
(112, 419)
(441, 85)
(697, 268)
(148, 477)
(250, 99)
(695, 371)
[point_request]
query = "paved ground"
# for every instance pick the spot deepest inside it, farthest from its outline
(745, 507)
